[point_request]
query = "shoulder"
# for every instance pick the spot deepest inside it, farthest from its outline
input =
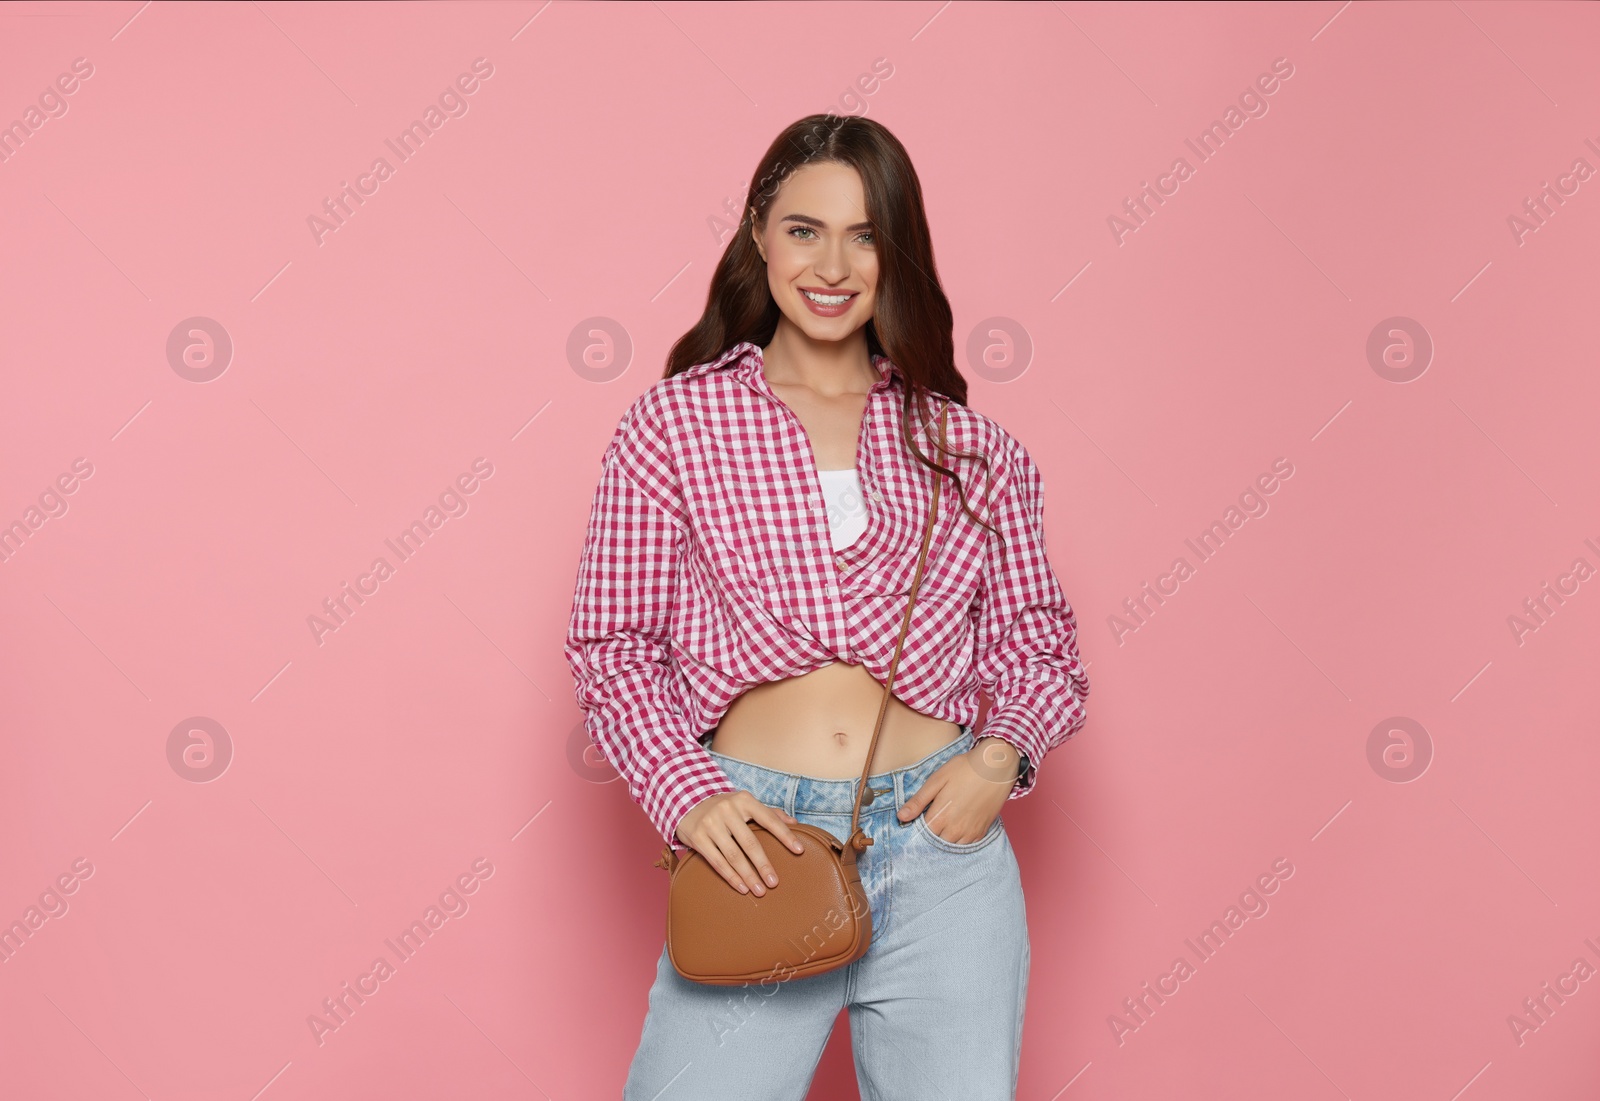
(677, 406)
(643, 448)
(667, 421)
(970, 430)
(978, 430)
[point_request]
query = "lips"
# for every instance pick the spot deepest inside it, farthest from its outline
(828, 309)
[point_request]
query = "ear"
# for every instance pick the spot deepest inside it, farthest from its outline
(756, 236)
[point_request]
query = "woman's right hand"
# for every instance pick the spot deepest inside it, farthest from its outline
(715, 828)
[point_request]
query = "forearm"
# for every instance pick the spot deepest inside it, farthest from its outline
(619, 642)
(1027, 634)
(636, 723)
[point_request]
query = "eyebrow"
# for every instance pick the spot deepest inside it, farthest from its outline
(819, 223)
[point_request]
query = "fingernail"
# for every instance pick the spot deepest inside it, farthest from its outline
(772, 880)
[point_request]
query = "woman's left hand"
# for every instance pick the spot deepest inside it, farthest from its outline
(962, 796)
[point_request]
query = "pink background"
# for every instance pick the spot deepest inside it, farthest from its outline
(1154, 379)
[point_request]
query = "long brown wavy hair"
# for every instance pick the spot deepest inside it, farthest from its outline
(912, 322)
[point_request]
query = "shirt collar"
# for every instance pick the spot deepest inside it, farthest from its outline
(744, 359)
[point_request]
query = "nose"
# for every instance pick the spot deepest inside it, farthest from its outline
(831, 267)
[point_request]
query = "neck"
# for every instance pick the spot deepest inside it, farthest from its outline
(827, 367)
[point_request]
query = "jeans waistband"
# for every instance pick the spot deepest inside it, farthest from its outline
(796, 792)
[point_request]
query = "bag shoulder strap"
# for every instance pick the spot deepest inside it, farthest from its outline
(858, 838)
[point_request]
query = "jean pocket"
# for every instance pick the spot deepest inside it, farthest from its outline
(935, 840)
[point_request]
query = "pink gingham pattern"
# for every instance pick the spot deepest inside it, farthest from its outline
(708, 569)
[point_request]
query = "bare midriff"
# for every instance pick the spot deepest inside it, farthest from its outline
(820, 724)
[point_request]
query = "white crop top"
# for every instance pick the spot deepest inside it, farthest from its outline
(847, 511)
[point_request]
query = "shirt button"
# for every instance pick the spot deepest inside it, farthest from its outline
(875, 495)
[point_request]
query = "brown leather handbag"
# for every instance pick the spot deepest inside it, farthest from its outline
(817, 918)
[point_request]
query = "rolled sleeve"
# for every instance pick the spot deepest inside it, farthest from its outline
(1027, 635)
(617, 638)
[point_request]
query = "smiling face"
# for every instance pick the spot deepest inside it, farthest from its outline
(821, 252)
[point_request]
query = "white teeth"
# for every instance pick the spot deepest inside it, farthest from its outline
(828, 299)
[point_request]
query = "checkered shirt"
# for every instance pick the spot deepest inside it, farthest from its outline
(708, 569)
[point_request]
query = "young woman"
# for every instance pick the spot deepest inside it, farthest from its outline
(746, 574)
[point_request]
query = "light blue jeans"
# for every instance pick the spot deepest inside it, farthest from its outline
(936, 1004)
